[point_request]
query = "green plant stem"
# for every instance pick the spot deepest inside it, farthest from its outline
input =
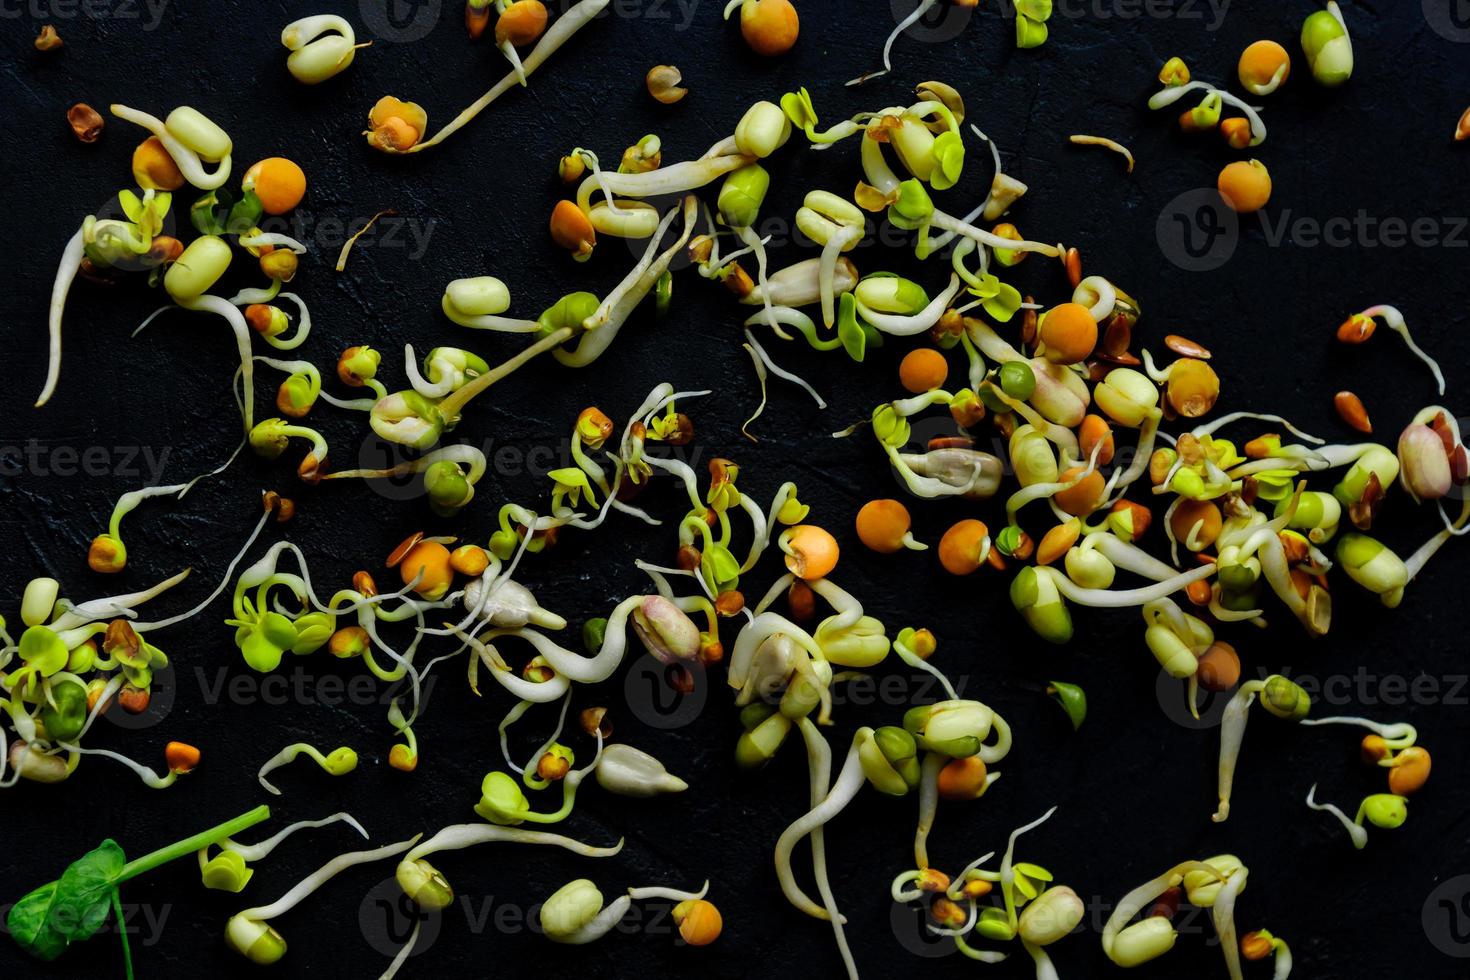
(189, 845)
(122, 931)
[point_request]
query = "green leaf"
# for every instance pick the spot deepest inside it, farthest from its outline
(203, 216)
(70, 909)
(131, 206)
(854, 338)
(43, 649)
(244, 214)
(84, 891)
(1004, 304)
(1072, 699)
(30, 926)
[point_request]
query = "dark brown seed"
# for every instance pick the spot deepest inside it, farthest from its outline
(1118, 337)
(85, 122)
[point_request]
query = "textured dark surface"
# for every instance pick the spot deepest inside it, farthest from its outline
(1135, 788)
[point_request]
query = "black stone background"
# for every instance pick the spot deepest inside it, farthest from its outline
(1134, 788)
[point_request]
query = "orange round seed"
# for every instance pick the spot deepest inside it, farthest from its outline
(923, 369)
(1085, 497)
(1068, 333)
(882, 524)
(279, 183)
(770, 27)
(811, 552)
(1260, 62)
(1245, 186)
(1192, 512)
(960, 550)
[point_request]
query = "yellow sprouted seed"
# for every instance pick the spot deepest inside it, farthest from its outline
(1103, 141)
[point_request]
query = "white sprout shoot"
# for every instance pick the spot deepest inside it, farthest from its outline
(1358, 833)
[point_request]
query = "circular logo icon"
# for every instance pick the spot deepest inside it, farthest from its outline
(1197, 232)
(400, 21)
(653, 697)
(161, 693)
(1450, 19)
(377, 455)
(941, 22)
(387, 917)
(121, 258)
(1173, 697)
(910, 925)
(1446, 917)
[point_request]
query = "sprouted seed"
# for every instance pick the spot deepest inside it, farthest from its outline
(321, 47)
(400, 127)
(1106, 143)
(338, 762)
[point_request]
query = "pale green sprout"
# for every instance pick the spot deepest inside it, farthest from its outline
(1153, 936)
(198, 268)
(104, 243)
(1329, 48)
(575, 914)
(886, 758)
(1385, 810)
(317, 55)
(1171, 94)
(836, 225)
(478, 303)
(938, 473)
(338, 762)
(1177, 640)
(229, 869)
(271, 437)
(1035, 911)
(1373, 566)
(450, 475)
(249, 932)
(107, 552)
(1281, 697)
(427, 888)
(191, 139)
